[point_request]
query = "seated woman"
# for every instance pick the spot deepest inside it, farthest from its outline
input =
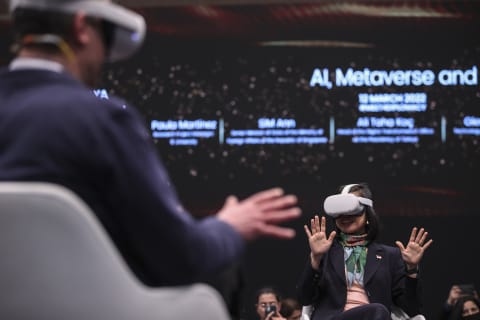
(351, 276)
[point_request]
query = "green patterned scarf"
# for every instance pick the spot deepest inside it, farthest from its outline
(355, 254)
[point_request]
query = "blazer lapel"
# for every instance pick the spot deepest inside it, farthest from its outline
(338, 261)
(375, 257)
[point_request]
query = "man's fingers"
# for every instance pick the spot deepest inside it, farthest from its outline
(277, 231)
(278, 202)
(231, 200)
(266, 195)
(281, 215)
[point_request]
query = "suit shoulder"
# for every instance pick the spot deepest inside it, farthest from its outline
(389, 249)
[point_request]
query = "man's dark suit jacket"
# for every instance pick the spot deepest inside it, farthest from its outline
(385, 282)
(54, 129)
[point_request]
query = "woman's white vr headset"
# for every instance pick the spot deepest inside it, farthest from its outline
(345, 203)
(129, 27)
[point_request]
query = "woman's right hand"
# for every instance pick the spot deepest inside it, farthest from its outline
(318, 241)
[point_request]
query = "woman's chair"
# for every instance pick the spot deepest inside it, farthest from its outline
(57, 262)
(397, 314)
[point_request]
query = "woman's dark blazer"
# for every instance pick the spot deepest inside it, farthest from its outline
(385, 282)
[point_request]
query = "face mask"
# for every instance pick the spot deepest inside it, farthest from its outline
(475, 316)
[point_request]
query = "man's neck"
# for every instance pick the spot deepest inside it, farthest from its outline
(69, 66)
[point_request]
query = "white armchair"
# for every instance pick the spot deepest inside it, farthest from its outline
(57, 262)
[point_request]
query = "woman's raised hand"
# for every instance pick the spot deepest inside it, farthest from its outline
(317, 239)
(416, 246)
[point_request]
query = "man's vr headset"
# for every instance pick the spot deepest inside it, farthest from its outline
(126, 29)
(345, 203)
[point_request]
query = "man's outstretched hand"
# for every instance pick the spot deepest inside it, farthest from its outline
(261, 213)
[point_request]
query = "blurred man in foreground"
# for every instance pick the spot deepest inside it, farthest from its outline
(53, 129)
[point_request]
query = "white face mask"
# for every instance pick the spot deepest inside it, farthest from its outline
(475, 316)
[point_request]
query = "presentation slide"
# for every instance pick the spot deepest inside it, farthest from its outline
(309, 115)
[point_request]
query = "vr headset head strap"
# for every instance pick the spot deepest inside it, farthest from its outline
(347, 188)
(362, 200)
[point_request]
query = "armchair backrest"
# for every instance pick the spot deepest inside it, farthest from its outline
(57, 262)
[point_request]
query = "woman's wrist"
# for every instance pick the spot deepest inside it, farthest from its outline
(411, 270)
(315, 260)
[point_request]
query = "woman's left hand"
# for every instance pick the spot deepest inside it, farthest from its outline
(416, 246)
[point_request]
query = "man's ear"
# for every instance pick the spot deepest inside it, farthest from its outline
(80, 33)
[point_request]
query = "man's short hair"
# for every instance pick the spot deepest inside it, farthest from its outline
(33, 21)
(267, 290)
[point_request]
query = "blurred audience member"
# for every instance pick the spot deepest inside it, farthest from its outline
(268, 304)
(466, 308)
(456, 291)
(291, 309)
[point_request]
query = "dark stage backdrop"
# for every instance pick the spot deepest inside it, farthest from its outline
(399, 110)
